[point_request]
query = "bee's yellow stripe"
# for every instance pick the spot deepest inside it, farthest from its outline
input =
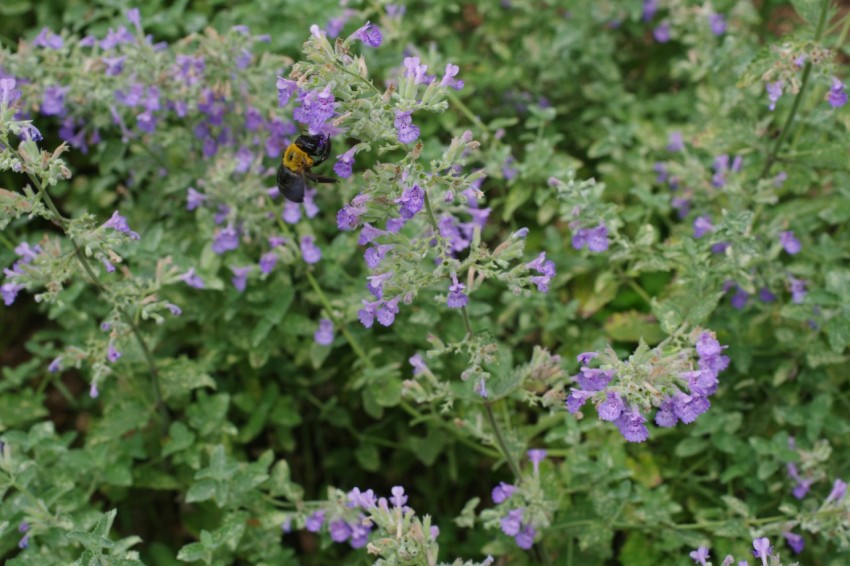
(295, 159)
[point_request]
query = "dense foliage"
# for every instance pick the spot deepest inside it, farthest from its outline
(579, 294)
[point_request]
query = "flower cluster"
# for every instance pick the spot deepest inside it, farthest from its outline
(762, 550)
(520, 510)
(667, 380)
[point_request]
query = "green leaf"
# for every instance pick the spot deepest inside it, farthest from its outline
(690, 446)
(193, 552)
(179, 438)
(179, 377)
(428, 448)
(203, 490)
(632, 326)
(368, 456)
(808, 10)
(838, 332)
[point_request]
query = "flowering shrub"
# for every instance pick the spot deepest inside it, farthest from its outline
(528, 214)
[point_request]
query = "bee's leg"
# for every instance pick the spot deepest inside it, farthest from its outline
(321, 178)
(323, 153)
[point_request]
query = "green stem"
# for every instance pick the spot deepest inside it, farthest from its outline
(500, 439)
(807, 71)
(84, 262)
(7, 242)
(464, 109)
(466, 322)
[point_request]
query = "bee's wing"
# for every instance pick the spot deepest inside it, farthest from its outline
(291, 185)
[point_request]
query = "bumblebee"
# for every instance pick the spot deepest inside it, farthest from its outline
(295, 166)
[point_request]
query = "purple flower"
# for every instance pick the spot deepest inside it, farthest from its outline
(369, 34)
(525, 538)
(418, 364)
(367, 313)
(175, 310)
(666, 416)
(344, 163)
(502, 492)
(48, 39)
(55, 365)
(585, 357)
(457, 299)
(702, 226)
(449, 77)
(661, 171)
(23, 527)
(93, 391)
(774, 91)
(112, 354)
(412, 69)
(8, 92)
(116, 38)
(225, 240)
(611, 408)
(339, 530)
(662, 32)
(739, 299)
(24, 542)
(675, 141)
(596, 239)
(631, 426)
(324, 335)
(535, 456)
(649, 9)
(362, 499)
(375, 255)
(243, 159)
(315, 108)
(369, 233)
(267, 262)
(53, 100)
(194, 199)
(512, 522)
(285, 89)
(192, 280)
(798, 289)
(119, 224)
(594, 379)
(836, 95)
(791, 244)
(766, 296)
(407, 131)
(717, 23)
(839, 489)
(315, 521)
(291, 213)
(700, 555)
(412, 201)
(762, 549)
(240, 277)
(795, 541)
(309, 250)
(399, 499)
(576, 400)
(387, 310)
(135, 18)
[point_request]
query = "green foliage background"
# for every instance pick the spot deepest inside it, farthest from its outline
(249, 389)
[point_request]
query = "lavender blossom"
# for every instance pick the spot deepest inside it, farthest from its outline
(309, 250)
(192, 279)
(226, 239)
(369, 34)
(791, 244)
(240, 277)
(836, 96)
(119, 224)
(324, 335)
(407, 131)
(502, 492)
(344, 164)
(774, 91)
(457, 299)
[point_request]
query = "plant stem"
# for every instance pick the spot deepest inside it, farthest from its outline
(466, 322)
(807, 71)
(464, 109)
(500, 438)
(84, 262)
